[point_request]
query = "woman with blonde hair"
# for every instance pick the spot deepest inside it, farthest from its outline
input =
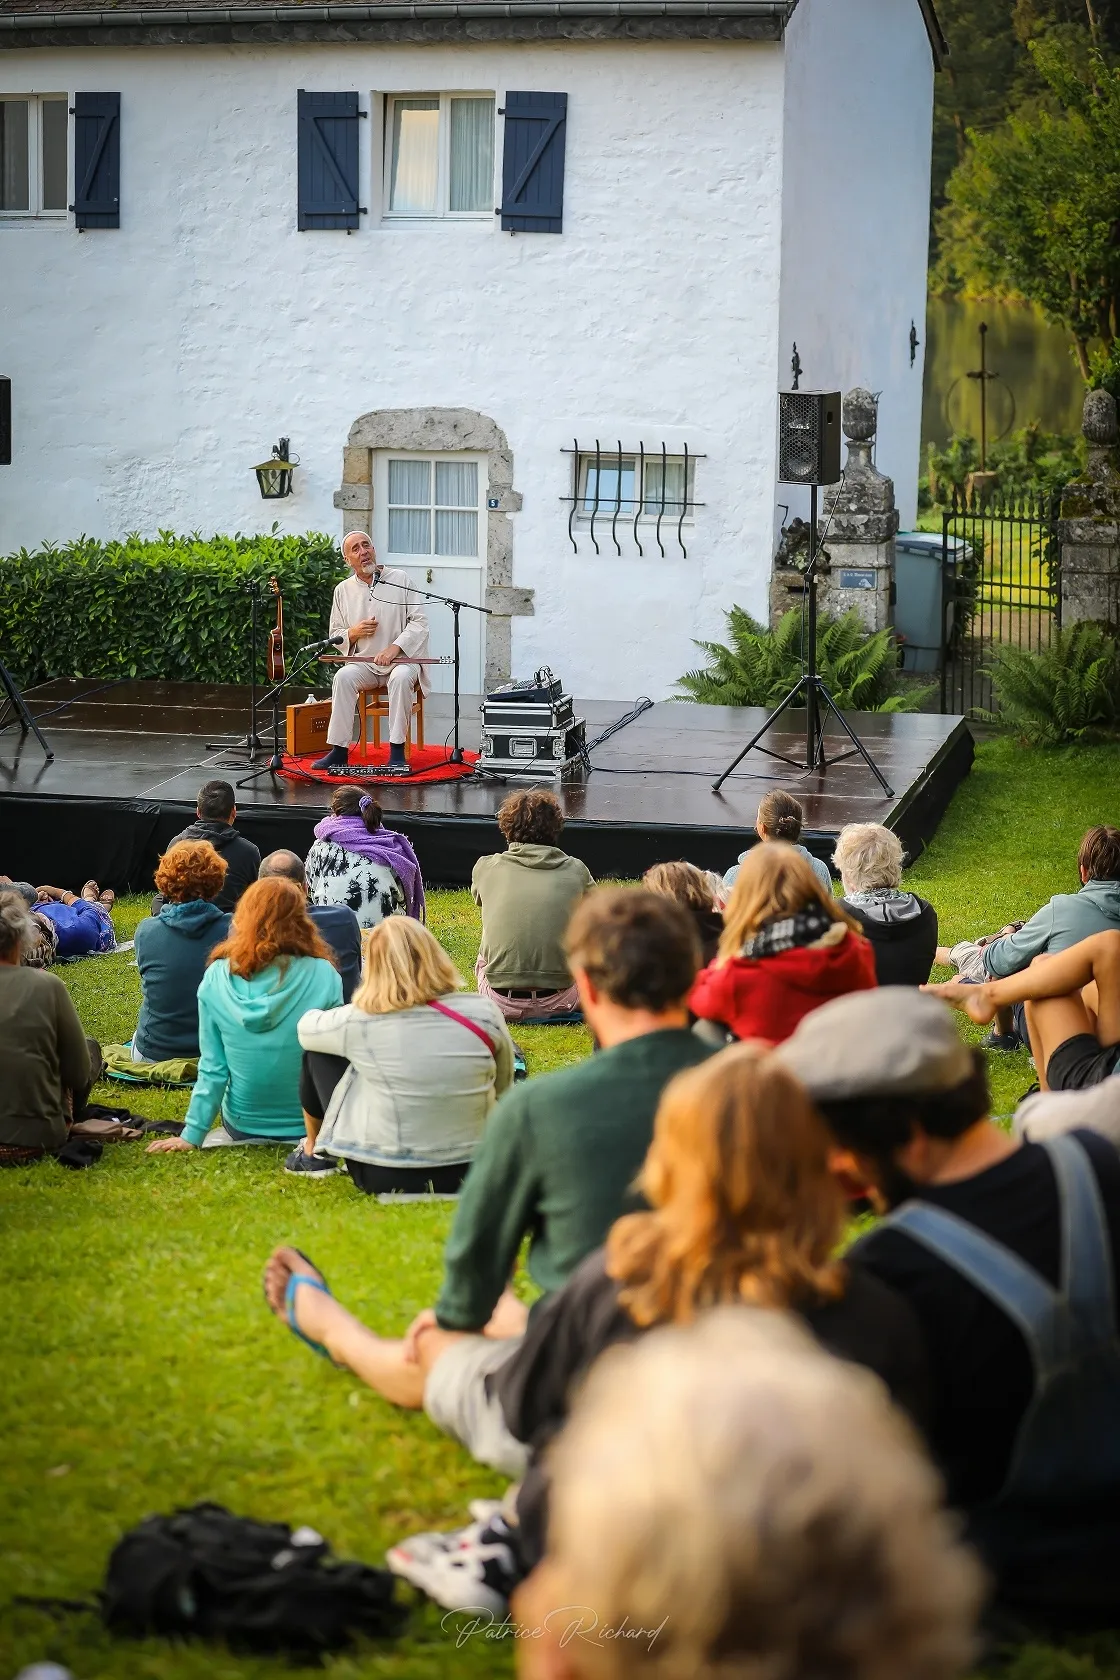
(743, 1210)
(787, 947)
(396, 1085)
(271, 969)
(693, 891)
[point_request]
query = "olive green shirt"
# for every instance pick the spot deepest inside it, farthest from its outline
(43, 1054)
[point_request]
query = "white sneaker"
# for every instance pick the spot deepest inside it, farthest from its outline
(470, 1568)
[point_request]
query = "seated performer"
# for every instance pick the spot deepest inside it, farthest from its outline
(381, 620)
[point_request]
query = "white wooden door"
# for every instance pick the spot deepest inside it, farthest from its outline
(430, 520)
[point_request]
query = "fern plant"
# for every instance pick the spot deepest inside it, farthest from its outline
(758, 666)
(1064, 692)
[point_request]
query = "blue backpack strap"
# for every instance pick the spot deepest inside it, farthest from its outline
(1016, 1288)
(1087, 1273)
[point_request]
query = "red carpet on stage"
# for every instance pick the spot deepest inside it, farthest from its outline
(427, 764)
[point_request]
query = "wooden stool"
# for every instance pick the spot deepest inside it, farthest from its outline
(373, 705)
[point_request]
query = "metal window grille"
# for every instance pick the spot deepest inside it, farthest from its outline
(651, 492)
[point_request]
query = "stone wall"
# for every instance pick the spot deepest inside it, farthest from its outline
(1089, 528)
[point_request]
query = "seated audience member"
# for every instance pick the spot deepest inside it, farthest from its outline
(990, 1240)
(556, 1163)
(43, 948)
(173, 949)
(336, 922)
(901, 926)
(217, 812)
(1066, 920)
(271, 969)
(692, 890)
(396, 1086)
(1072, 1003)
(739, 1505)
(745, 1210)
(780, 817)
(83, 924)
(527, 894)
(44, 1058)
(787, 947)
(356, 861)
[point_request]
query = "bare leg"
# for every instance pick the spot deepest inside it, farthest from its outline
(311, 1127)
(1057, 977)
(941, 956)
(1005, 1021)
(509, 1317)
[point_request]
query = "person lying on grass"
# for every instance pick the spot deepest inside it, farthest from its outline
(396, 1086)
(83, 922)
(744, 1208)
(556, 1163)
(269, 972)
(731, 1503)
(1072, 1006)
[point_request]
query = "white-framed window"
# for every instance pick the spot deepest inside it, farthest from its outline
(433, 506)
(439, 155)
(609, 483)
(33, 151)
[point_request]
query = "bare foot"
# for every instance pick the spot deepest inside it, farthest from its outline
(108, 898)
(90, 891)
(974, 1001)
(314, 1312)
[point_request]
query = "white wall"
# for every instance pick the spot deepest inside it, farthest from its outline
(153, 366)
(855, 218)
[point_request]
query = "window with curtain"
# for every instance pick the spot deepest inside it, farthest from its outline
(33, 132)
(608, 484)
(433, 507)
(439, 155)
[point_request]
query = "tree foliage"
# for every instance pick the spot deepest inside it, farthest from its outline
(1069, 690)
(1034, 208)
(759, 666)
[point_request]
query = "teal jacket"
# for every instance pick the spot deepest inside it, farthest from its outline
(172, 951)
(1065, 921)
(249, 1054)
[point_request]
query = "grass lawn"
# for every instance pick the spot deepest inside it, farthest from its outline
(145, 1372)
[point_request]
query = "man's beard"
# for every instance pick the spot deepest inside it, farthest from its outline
(894, 1185)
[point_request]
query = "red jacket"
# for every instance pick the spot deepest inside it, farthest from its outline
(765, 997)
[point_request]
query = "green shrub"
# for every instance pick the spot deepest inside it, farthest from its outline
(174, 607)
(1030, 464)
(760, 666)
(1065, 692)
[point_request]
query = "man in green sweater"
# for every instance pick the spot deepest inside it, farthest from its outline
(556, 1164)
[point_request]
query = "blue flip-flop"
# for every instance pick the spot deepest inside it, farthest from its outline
(294, 1280)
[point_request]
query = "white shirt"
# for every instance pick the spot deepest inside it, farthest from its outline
(397, 609)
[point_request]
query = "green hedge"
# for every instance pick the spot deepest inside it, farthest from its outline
(172, 607)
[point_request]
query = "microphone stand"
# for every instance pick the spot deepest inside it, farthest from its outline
(304, 660)
(456, 607)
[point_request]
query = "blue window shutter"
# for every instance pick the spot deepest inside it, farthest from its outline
(328, 160)
(97, 160)
(533, 162)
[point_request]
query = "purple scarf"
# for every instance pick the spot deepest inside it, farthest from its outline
(383, 846)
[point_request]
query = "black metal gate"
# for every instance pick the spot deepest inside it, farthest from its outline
(1001, 566)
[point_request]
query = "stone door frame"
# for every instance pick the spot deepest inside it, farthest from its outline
(439, 431)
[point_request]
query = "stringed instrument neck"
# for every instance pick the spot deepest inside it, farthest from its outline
(274, 658)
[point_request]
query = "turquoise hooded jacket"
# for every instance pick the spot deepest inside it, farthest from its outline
(249, 1054)
(1065, 921)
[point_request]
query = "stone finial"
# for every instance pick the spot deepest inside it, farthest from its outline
(860, 415)
(1098, 419)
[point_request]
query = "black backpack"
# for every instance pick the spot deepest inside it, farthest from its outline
(205, 1573)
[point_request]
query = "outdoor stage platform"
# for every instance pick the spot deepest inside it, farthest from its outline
(130, 757)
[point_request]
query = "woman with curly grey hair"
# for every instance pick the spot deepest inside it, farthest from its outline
(901, 926)
(44, 1057)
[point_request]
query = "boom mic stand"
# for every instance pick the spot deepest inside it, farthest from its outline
(305, 660)
(456, 607)
(811, 691)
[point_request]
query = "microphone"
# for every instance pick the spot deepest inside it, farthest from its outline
(330, 641)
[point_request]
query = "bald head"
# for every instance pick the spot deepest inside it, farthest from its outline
(359, 554)
(284, 864)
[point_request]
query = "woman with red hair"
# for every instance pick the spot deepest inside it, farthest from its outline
(270, 971)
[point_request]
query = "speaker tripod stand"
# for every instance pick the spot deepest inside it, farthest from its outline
(14, 709)
(810, 691)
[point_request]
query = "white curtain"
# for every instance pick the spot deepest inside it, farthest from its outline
(672, 479)
(54, 154)
(13, 155)
(415, 165)
(457, 484)
(410, 531)
(456, 533)
(472, 154)
(410, 524)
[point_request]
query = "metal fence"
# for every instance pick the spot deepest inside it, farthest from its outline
(1001, 562)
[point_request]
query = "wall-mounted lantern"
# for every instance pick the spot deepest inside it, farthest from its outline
(275, 476)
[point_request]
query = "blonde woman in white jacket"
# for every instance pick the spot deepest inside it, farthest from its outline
(396, 1085)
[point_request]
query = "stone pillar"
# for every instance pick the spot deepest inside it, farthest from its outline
(864, 520)
(1089, 527)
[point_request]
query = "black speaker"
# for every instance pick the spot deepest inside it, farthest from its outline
(808, 437)
(5, 421)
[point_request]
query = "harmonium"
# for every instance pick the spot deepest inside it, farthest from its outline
(529, 729)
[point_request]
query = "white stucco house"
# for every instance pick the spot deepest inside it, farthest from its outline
(520, 280)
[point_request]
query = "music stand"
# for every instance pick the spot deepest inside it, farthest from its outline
(811, 690)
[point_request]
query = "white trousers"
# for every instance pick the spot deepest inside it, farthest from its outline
(349, 682)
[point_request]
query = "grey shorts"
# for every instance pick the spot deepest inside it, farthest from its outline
(456, 1400)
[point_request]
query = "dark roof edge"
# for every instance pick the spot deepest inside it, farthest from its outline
(416, 20)
(938, 43)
